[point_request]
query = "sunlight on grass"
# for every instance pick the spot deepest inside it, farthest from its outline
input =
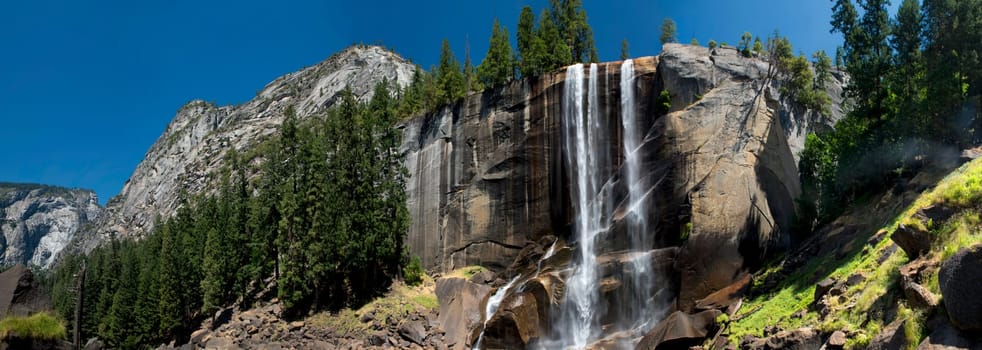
(40, 326)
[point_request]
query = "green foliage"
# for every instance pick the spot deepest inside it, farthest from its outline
(40, 326)
(669, 32)
(498, 66)
(531, 48)
(557, 52)
(325, 219)
(664, 103)
(712, 44)
(758, 48)
(413, 272)
(625, 53)
(744, 46)
(449, 77)
(694, 42)
(570, 19)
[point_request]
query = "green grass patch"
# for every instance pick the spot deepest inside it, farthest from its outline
(40, 326)
(467, 271)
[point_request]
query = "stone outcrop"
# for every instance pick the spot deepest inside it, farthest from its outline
(38, 221)
(20, 293)
(959, 281)
(193, 146)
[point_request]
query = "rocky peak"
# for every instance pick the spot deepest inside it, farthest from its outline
(193, 145)
(38, 221)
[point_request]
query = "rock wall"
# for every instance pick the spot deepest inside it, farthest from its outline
(37, 221)
(487, 175)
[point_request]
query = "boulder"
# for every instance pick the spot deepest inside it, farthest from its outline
(413, 331)
(837, 340)
(947, 337)
(805, 338)
(461, 308)
(724, 298)
(890, 337)
(680, 331)
(20, 293)
(912, 240)
(959, 281)
(517, 323)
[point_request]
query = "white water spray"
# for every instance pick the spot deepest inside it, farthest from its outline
(492, 306)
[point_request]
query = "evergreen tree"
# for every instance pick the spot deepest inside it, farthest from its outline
(530, 46)
(449, 77)
(624, 50)
(557, 53)
(694, 42)
(823, 69)
(758, 46)
(570, 19)
(498, 66)
(669, 32)
(744, 46)
(472, 80)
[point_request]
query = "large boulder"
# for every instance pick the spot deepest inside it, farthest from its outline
(890, 337)
(946, 337)
(461, 305)
(20, 293)
(680, 331)
(912, 239)
(959, 281)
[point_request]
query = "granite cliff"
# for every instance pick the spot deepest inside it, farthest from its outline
(39, 221)
(184, 157)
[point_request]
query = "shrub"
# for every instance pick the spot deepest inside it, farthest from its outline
(413, 272)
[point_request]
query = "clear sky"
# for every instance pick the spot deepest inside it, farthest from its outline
(86, 87)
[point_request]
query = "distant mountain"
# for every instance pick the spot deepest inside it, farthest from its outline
(38, 221)
(193, 146)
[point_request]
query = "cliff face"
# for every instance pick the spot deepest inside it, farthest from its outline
(195, 142)
(39, 221)
(487, 174)
(718, 174)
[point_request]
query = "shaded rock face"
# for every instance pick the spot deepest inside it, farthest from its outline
(959, 281)
(38, 221)
(193, 146)
(20, 293)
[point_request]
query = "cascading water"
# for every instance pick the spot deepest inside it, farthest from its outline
(578, 323)
(587, 156)
(642, 311)
(492, 306)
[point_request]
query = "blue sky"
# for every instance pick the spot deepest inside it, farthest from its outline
(86, 87)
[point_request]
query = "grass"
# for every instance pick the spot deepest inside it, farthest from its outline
(398, 303)
(40, 326)
(467, 271)
(866, 304)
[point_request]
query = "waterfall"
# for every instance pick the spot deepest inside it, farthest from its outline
(578, 321)
(634, 306)
(641, 310)
(492, 306)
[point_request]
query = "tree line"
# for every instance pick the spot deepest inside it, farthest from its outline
(916, 80)
(559, 37)
(323, 222)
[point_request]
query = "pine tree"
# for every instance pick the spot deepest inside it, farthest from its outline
(528, 52)
(449, 77)
(471, 77)
(624, 50)
(669, 32)
(744, 46)
(498, 66)
(758, 46)
(823, 68)
(557, 53)
(170, 305)
(570, 19)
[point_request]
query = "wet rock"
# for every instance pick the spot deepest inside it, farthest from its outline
(461, 308)
(680, 330)
(912, 240)
(959, 281)
(517, 323)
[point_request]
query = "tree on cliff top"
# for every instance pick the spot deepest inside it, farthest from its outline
(449, 77)
(498, 66)
(669, 32)
(571, 21)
